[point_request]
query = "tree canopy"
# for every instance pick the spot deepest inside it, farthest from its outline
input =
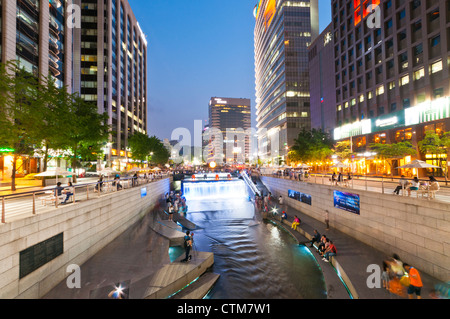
(311, 145)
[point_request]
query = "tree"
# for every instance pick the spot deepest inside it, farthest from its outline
(85, 128)
(145, 148)
(50, 117)
(140, 146)
(159, 154)
(391, 152)
(434, 143)
(343, 150)
(311, 145)
(18, 106)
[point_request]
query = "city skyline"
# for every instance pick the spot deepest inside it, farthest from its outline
(203, 45)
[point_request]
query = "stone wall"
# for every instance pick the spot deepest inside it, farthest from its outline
(87, 227)
(416, 229)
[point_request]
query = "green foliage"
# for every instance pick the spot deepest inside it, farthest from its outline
(434, 143)
(145, 148)
(343, 150)
(310, 146)
(393, 151)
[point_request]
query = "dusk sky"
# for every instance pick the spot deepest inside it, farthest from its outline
(197, 50)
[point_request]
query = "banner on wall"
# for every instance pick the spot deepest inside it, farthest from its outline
(301, 197)
(348, 202)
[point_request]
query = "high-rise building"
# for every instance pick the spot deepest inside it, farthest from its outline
(110, 69)
(229, 130)
(283, 32)
(36, 34)
(322, 84)
(392, 72)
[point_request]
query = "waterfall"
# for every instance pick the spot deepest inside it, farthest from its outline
(214, 190)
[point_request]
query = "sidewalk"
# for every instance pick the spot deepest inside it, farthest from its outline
(353, 256)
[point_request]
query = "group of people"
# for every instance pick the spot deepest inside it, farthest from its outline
(298, 175)
(263, 202)
(325, 247)
(338, 179)
(68, 191)
(176, 204)
(400, 278)
(416, 184)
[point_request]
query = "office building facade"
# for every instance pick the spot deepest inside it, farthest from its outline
(283, 32)
(392, 65)
(110, 69)
(37, 35)
(322, 84)
(229, 130)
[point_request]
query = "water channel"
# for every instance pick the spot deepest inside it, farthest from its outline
(255, 259)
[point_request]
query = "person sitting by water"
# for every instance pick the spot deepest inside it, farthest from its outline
(316, 238)
(296, 223)
(283, 215)
(329, 252)
(414, 185)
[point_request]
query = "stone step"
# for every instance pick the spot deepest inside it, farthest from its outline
(199, 288)
(174, 277)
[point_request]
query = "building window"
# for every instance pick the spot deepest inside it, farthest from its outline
(436, 67)
(419, 74)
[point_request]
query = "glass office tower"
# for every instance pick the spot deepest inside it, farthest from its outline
(283, 32)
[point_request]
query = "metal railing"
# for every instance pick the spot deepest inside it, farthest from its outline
(379, 184)
(32, 202)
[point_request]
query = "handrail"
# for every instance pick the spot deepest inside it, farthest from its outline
(250, 183)
(32, 194)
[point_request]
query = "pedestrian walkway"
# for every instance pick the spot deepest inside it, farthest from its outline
(353, 256)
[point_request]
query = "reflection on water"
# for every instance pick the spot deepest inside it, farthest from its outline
(256, 260)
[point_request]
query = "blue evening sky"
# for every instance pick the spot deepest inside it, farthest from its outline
(198, 49)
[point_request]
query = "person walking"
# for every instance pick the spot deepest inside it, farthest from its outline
(327, 219)
(187, 246)
(415, 282)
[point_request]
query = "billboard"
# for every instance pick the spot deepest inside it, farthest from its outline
(346, 201)
(301, 197)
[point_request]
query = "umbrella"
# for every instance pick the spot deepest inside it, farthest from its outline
(135, 169)
(108, 171)
(303, 166)
(57, 172)
(418, 164)
(156, 169)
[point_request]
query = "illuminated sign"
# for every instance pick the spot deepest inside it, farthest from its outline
(363, 9)
(269, 11)
(220, 101)
(269, 14)
(6, 150)
(354, 129)
(387, 122)
(428, 111)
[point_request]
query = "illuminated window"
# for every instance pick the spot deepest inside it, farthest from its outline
(436, 67)
(404, 80)
(419, 74)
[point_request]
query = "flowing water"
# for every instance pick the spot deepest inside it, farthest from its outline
(256, 260)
